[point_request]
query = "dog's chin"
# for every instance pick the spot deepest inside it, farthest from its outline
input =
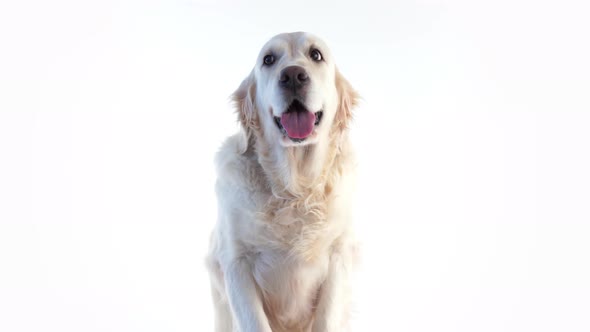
(287, 141)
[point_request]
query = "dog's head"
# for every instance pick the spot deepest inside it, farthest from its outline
(294, 95)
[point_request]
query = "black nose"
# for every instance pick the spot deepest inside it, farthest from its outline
(293, 78)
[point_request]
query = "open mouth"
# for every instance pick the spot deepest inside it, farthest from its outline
(297, 122)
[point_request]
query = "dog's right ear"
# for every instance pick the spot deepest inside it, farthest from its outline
(243, 98)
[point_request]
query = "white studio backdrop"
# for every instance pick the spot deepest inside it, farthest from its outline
(473, 140)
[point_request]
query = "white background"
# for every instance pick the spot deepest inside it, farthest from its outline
(473, 141)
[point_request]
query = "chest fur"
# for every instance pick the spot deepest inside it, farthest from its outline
(289, 288)
(300, 227)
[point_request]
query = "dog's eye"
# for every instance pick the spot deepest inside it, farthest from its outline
(269, 60)
(316, 55)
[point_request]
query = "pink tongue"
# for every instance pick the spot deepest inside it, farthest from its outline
(298, 124)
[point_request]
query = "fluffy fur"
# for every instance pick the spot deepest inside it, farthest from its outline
(282, 250)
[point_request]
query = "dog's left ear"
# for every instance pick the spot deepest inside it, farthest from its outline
(347, 99)
(243, 98)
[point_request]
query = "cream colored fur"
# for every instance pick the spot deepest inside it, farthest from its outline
(282, 250)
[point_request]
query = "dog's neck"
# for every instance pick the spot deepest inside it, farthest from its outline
(299, 170)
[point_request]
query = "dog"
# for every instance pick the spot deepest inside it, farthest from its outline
(282, 250)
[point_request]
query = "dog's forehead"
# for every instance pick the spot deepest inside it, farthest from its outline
(294, 43)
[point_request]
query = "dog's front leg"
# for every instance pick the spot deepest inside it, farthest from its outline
(334, 303)
(244, 298)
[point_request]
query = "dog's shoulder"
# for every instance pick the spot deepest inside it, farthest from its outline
(236, 169)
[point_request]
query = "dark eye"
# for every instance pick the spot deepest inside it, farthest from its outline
(316, 55)
(269, 59)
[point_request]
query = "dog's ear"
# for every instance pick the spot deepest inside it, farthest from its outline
(347, 100)
(243, 98)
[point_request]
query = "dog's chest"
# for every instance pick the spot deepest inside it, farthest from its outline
(290, 287)
(302, 226)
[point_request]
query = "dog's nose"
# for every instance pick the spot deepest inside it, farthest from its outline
(293, 78)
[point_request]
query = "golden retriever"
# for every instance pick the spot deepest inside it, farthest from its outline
(282, 250)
